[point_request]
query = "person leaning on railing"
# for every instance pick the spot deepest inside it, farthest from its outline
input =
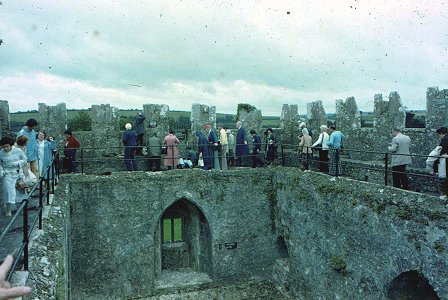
(305, 150)
(442, 166)
(12, 162)
(335, 144)
(71, 145)
(400, 147)
(322, 146)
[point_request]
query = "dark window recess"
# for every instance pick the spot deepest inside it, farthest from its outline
(282, 247)
(411, 285)
(172, 230)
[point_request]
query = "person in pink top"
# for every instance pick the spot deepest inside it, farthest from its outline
(172, 152)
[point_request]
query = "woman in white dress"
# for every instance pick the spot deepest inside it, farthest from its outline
(12, 162)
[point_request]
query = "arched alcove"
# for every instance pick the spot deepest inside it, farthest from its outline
(411, 285)
(183, 244)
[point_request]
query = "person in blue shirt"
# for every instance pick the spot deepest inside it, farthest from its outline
(213, 143)
(130, 142)
(335, 144)
(241, 147)
(204, 151)
(256, 141)
(32, 151)
(46, 149)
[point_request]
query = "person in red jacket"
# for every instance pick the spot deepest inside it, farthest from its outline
(71, 145)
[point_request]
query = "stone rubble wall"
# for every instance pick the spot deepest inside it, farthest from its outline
(4, 118)
(349, 239)
(289, 125)
(316, 117)
(156, 121)
(53, 121)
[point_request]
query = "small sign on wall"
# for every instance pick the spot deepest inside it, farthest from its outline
(228, 246)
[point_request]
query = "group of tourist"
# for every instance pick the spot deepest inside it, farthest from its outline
(219, 148)
(329, 144)
(25, 159)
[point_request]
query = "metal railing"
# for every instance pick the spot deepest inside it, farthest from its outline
(387, 169)
(50, 177)
(281, 154)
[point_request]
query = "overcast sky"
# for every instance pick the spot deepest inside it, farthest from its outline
(128, 53)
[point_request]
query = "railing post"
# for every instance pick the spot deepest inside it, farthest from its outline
(283, 155)
(52, 174)
(41, 202)
(172, 155)
(47, 190)
(58, 170)
(25, 235)
(386, 166)
(82, 161)
(337, 161)
(446, 176)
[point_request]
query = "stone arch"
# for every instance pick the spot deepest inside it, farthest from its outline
(189, 250)
(411, 285)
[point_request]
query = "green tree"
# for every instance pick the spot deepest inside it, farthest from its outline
(82, 122)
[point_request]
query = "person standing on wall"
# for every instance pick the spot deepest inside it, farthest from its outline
(224, 147)
(335, 146)
(305, 150)
(442, 167)
(129, 141)
(46, 148)
(232, 144)
(302, 126)
(322, 146)
(172, 152)
(32, 151)
(241, 148)
(271, 146)
(256, 142)
(213, 143)
(12, 163)
(399, 148)
(139, 124)
(154, 145)
(204, 155)
(71, 146)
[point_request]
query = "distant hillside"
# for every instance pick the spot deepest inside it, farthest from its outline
(180, 120)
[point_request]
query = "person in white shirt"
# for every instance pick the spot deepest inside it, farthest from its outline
(322, 146)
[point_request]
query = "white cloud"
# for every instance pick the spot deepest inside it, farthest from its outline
(220, 52)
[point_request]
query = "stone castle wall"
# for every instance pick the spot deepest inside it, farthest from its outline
(342, 239)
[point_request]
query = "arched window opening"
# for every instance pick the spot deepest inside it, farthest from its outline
(411, 286)
(183, 245)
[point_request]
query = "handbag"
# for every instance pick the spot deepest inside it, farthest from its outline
(163, 150)
(200, 160)
(26, 181)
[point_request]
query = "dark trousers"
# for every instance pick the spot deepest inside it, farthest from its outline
(399, 177)
(154, 163)
(256, 160)
(139, 144)
(306, 160)
(231, 158)
(69, 164)
(323, 161)
(129, 159)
